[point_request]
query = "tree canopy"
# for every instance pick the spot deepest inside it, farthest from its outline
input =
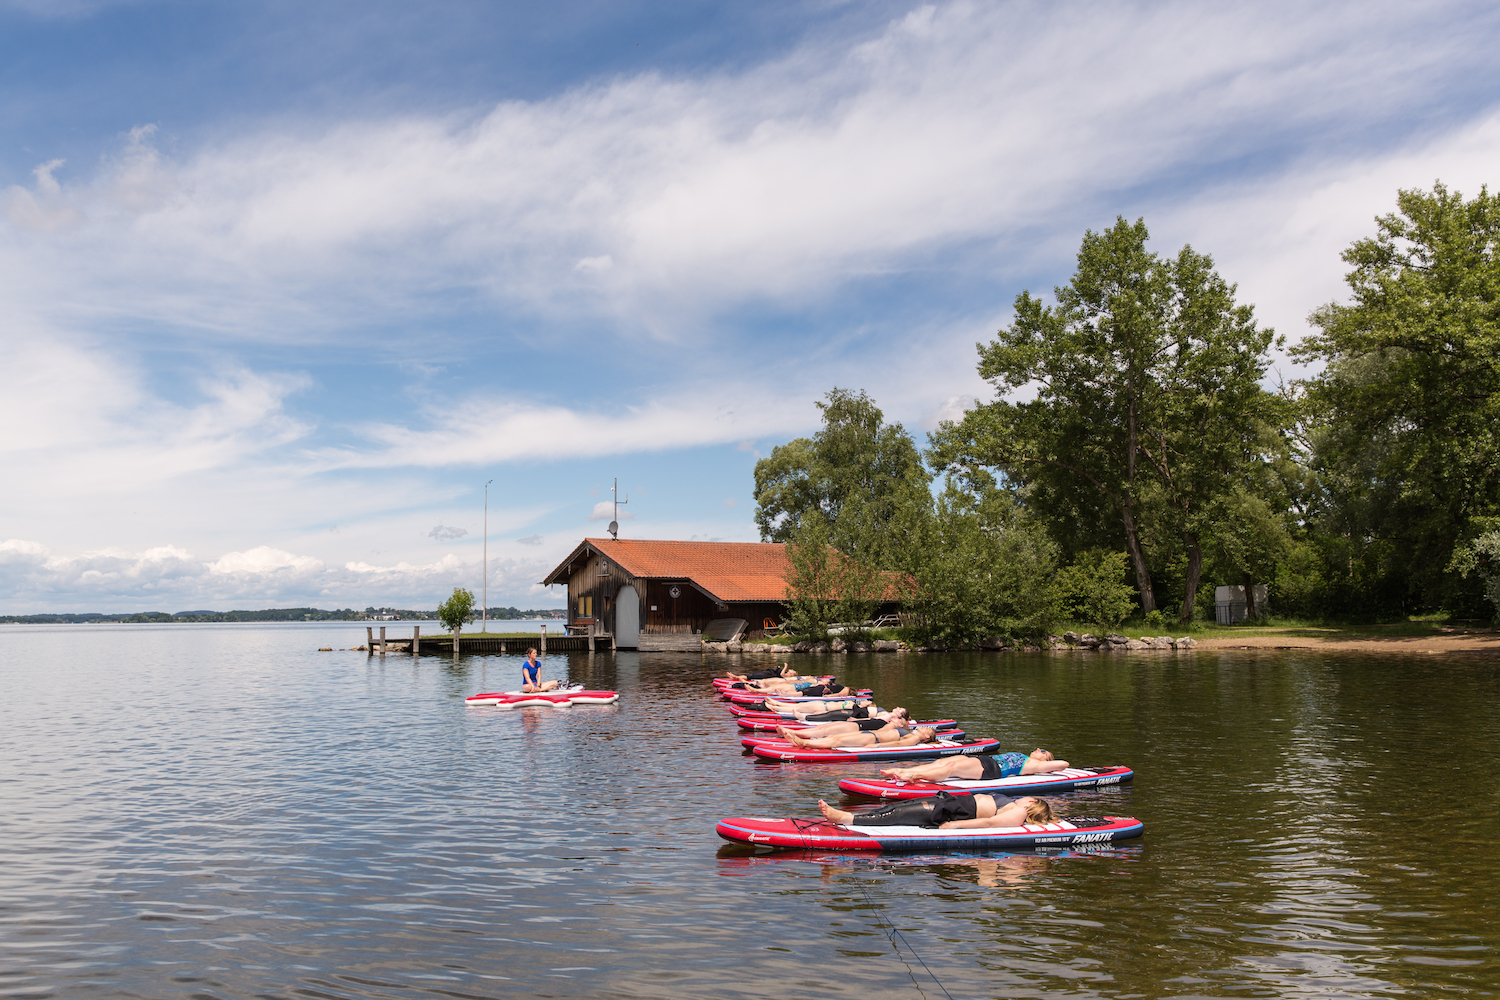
(1404, 419)
(1145, 403)
(853, 473)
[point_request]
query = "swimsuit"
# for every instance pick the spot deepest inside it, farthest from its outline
(1001, 765)
(930, 812)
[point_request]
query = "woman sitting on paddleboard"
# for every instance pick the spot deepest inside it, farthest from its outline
(896, 718)
(988, 767)
(531, 672)
(894, 736)
(948, 812)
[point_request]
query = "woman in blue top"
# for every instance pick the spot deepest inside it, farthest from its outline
(988, 768)
(531, 672)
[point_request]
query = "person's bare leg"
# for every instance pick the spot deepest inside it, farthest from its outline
(833, 815)
(937, 770)
(549, 685)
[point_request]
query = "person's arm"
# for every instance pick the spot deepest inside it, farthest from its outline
(1034, 766)
(1013, 814)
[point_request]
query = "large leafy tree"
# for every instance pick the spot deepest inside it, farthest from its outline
(1145, 402)
(854, 473)
(1405, 415)
(977, 566)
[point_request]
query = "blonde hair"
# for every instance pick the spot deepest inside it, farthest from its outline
(1039, 811)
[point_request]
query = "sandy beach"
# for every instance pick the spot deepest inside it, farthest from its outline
(1454, 641)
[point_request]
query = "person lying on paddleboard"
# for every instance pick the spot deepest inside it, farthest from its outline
(805, 709)
(896, 718)
(832, 688)
(988, 767)
(949, 812)
(531, 672)
(779, 685)
(784, 671)
(894, 736)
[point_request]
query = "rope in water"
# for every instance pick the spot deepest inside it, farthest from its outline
(893, 932)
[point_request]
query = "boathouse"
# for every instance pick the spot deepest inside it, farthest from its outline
(626, 588)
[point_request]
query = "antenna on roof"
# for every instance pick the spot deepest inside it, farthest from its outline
(614, 526)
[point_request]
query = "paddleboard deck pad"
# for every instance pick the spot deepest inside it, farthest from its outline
(819, 834)
(1066, 780)
(924, 751)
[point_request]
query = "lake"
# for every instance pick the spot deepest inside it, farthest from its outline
(216, 811)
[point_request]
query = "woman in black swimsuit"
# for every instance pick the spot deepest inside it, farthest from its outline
(895, 736)
(948, 812)
(896, 718)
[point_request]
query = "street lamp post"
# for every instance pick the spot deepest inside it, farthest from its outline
(484, 588)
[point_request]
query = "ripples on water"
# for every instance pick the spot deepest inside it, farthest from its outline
(222, 811)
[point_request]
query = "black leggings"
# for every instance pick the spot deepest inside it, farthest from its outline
(842, 715)
(930, 812)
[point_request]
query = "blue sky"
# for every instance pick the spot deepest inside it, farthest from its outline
(285, 284)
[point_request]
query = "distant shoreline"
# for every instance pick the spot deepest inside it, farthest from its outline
(268, 615)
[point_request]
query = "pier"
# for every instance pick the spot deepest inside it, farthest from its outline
(442, 645)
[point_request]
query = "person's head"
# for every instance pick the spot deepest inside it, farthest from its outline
(787, 671)
(900, 715)
(531, 653)
(927, 734)
(1037, 810)
(1040, 754)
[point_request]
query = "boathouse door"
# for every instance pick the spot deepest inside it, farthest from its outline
(627, 618)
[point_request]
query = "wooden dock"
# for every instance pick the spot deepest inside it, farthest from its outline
(442, 645)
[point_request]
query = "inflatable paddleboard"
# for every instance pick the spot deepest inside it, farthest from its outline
(1065, 780)
(923, 751)
(557, 698)
(725, 684)
(819, 834)
(770, 723)
(750, 697)
(777, 743)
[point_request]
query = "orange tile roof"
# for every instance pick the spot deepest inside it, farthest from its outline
(730, 571)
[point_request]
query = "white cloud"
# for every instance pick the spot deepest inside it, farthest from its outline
(663, 200)
(443, 533)
(604, 510)
(33, 579)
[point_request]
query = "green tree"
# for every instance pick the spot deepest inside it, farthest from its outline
(1482, 557)
(1147, 402)
(853, 473)
(1096, 586)
(1404, 419)
(457, 609)
(825, 586)
(977, 567)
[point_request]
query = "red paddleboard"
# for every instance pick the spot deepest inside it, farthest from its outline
(922, 751)
(777, 743)
(747, 697)
(769, 723)
(819, 834)
(1065, 780)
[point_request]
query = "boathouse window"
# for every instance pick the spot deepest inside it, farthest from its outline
(586, 607)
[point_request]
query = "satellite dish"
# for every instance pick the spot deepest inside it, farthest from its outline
(614, 529)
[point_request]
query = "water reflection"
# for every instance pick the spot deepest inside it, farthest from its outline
(223, 811)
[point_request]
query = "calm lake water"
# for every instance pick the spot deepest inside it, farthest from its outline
(222, 811)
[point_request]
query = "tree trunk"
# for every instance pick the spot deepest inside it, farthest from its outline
(1250, 609)
(1194, 577)
(1138, 559)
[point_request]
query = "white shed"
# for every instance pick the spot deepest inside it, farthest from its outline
(1230, 605)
